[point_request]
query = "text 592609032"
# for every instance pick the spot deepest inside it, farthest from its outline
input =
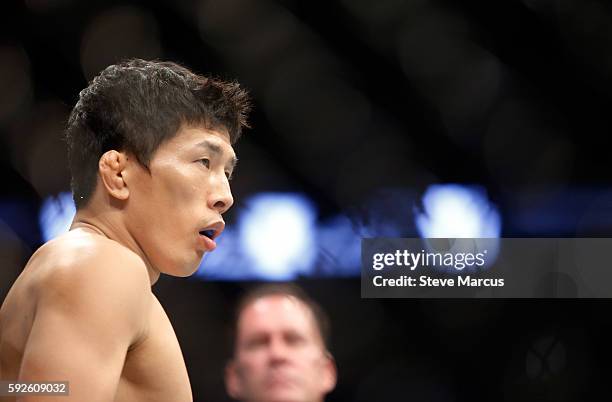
(14, 388)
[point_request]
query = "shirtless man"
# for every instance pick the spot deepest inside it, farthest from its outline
(150, 149)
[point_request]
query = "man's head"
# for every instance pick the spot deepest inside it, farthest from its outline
(151, 142)
(280, 348)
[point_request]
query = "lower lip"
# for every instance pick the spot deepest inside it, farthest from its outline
(208, 243)
(280, 382)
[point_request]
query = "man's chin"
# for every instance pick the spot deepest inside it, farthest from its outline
(182, 270)
(283, 394)
(189, 271)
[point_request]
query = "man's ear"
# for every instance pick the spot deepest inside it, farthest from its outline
(330, 373)
(111, 166)
(232, 380)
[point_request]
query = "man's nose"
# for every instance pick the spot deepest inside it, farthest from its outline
(278, 350)
(221, 196)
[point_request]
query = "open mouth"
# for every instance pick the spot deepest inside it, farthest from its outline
(208, 233)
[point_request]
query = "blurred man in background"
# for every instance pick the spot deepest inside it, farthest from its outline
(280, 348)
(150, 152)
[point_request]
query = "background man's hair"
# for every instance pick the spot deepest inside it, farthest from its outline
(321, 318)
(136, 105)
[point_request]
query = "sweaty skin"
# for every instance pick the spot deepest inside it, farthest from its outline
(82, 309)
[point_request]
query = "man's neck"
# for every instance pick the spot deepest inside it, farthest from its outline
(102, 225)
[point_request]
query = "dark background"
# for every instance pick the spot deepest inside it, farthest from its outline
(353, 98)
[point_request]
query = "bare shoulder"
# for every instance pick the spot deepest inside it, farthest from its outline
(86, 257)
(86, 273)
(89, 300)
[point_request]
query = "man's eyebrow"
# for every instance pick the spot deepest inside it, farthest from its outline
(216, 149)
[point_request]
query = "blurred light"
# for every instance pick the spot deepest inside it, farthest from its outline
(463, 213)
(335, 252)
(227, 261)
(277, 233)
(56, 215)
(455, 211)
(387, 212)
(339, 248)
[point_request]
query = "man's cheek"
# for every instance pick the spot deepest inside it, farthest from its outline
(180, 187)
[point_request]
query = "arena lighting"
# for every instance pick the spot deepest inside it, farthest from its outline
(455, 211)
(274, 240)
(276, 236)
(55, 215)
(339, 248)
(227, 262)
(277, 233)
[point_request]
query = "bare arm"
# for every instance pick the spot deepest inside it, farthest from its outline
(86, 319)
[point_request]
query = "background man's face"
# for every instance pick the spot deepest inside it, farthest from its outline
(279, 354)
(185, 192)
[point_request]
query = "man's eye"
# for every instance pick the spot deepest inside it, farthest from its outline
(205, 162)
(294, 339)
(256, 343)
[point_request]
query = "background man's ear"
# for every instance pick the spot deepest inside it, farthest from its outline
(330, 373)
(232, 380)
(110, 167)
